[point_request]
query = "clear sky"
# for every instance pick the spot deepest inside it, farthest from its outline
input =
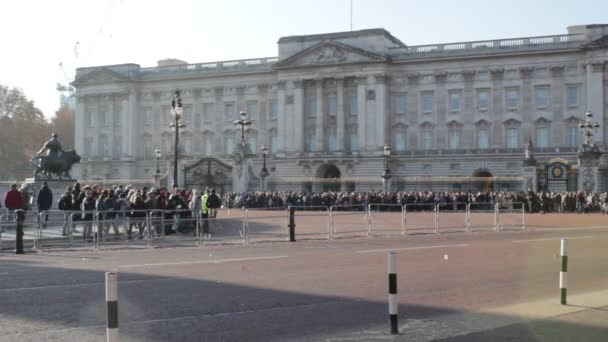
(38, 35)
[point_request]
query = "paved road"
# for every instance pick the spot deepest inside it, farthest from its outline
(334, 290)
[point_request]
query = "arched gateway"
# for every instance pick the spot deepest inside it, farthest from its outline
(330, 177)
(483, 180)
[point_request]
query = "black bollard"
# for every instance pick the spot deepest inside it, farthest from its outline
(292, 224)
(19, 218)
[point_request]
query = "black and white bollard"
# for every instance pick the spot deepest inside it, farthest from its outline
(393, 313)
(112, 306)
(563, 274)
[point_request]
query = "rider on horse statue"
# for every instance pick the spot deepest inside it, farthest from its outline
(56, 161)
(53, 146)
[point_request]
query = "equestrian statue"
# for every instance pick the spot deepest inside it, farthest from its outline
(56, 161)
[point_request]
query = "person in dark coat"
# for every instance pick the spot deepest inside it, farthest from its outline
(65, 204)
(88, 206)
(44, 202)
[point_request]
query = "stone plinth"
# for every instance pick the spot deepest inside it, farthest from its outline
(57, 186)
(588, 165)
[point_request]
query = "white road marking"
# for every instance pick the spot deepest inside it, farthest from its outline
(410, 248)
(556, 239)
(82, 284)
(218, 261)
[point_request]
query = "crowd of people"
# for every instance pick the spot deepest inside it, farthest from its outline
(137, 200)
(533, 202)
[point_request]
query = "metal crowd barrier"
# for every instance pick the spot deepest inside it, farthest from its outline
(317, 217)
(386, 222)
(510, 216)
(457, 217)
(156, 228)
(349, 217)
(481, 215)
(417, 218)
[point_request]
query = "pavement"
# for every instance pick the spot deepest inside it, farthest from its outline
(456, 286)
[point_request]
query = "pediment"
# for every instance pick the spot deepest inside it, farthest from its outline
(99, 76)
(329, 52)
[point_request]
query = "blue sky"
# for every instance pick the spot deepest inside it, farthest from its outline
(38, 35)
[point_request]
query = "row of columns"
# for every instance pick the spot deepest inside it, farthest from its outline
(372, 111)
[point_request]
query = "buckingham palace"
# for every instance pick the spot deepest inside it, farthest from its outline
(328, 104)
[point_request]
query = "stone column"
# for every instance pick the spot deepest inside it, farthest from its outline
(381, 112)
(282, 124)
(340, 115)
(361, 112)
(595, 96)
(80, 122)
(298, 124)
(124, 126)
(133, 125)
(497, 104)
(320, 116)
(96, 129)
(218, 108)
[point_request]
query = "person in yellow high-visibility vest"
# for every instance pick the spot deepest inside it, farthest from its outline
(205, 212)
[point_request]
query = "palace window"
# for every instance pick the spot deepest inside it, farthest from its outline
(427, 102)
(274, 143)
(253, 143)
(483, 100)
(427, 138)
(311, 105)
(574, 136)
(188, 146)
(274, 109)
(333, 104)
(117, 147)
(91, 119)
(572, 95)
(400, 141)
(354, 105)
(208, 113)
(208, 145)
(252, 110)
(454, 101)
(147, 116)
(332, 140)
(354, 141)
(454, 138)
(310, 141)
(512, 98)
(483, 141)
(187, 119)
(229, 112)
(542, 137)
(228, 145)
(400, 104)
(512, 137)
(541, 96)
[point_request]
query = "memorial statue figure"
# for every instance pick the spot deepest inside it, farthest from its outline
(56, 161)
(530, 150)
(53, 146)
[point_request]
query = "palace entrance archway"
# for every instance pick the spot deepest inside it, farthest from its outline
(329, 176)
(209, 172)
(482, 181)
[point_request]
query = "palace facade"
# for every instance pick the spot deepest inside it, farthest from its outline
(328, 104)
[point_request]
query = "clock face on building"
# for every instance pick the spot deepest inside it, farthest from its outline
(556, 172)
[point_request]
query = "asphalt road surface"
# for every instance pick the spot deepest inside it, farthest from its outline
(457, 286)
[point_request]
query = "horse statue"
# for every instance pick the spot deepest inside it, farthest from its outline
(58, 165)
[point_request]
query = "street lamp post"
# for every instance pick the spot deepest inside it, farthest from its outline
(588, 126)
(177, 109)
(386, 174)
(264, 173)
(157, 173)
(243, 122)
(588, 156)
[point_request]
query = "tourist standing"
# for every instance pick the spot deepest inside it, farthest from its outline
(44, 202)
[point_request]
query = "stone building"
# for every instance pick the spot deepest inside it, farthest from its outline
(328, 103)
